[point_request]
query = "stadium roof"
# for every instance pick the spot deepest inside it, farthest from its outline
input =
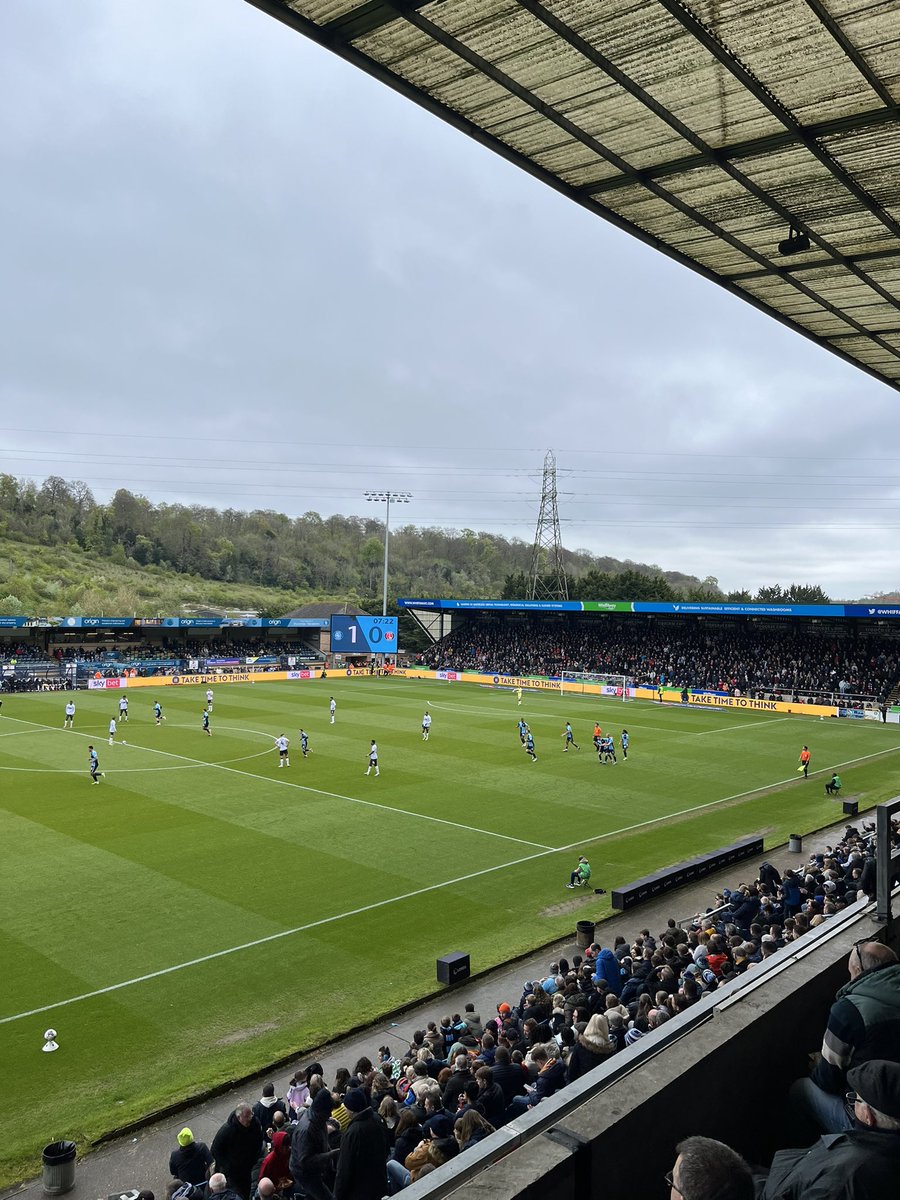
(708, 129)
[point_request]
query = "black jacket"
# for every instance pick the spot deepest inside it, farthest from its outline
(511, 1078)
(236, 1148)
(362, 1163)
(310, 1150)
(857, 1165)
(190, 1163)
(583, 1059)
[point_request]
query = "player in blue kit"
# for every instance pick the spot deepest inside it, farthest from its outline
(304, 743)
(570, 738)
(624, 743)
(206, 728)
(529, 746)
(523, 730)
(157, 712)
(94, 765)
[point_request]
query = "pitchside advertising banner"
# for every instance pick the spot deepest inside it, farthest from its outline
(158, 681)
(526, 682)
(686, 608)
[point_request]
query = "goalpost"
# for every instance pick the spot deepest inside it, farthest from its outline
(594, 683)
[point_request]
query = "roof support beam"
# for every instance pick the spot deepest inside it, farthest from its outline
(368, 18)
(750, 149)
(819, 263)
(851, 51)
(683, 14)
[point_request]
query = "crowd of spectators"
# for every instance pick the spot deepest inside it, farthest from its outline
(368, 1131)
(156, 660)
(760, 662)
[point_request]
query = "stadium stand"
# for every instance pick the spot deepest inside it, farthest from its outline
(424, 1106)
(772, 661)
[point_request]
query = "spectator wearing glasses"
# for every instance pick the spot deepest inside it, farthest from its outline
(709, 1170)
(863, 1163)
(863, 1024)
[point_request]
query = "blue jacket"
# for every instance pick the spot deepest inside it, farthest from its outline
(608, 969)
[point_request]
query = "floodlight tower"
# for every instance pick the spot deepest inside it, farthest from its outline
(387, 498)
(547, 579)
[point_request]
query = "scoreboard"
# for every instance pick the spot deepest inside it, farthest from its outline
(363, 635)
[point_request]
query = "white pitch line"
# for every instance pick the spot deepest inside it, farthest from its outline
(306, 788)
(273, 937)
(757, 724)
(766, 787)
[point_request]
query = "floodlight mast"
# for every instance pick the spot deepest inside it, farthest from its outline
(386, 497)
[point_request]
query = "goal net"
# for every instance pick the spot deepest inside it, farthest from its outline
(591, 683)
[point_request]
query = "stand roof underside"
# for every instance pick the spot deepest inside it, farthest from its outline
(707, 129)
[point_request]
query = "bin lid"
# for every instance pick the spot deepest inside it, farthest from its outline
(60, 1150)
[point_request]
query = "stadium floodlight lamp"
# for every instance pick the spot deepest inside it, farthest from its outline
(795, 243)
(387, 497)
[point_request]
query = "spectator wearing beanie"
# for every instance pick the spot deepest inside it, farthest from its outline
(192, 1161)
(362, 1170)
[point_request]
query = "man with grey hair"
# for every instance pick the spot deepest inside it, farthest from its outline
(709, 1170)
(863, 1024)
(218, 1187)
(237, 1147)
(862, 1163)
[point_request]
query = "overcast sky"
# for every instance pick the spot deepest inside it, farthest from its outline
(237, 271)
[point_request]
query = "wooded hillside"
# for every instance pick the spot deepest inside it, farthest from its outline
(138, 551)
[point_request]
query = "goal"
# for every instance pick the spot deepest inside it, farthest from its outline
(592, 683)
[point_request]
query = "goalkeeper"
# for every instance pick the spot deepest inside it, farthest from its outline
(581, 876)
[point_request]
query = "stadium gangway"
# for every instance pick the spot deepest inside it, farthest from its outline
(548, 1118)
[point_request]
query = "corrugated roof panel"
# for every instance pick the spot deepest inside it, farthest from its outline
(322, 11)
(872, 157)
(653, 50)
(872, 28)
(786, 46)
(663, 87)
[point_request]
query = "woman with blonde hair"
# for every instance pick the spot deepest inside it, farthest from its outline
(591, 1049)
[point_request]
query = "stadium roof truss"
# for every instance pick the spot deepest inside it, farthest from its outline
(713, 130)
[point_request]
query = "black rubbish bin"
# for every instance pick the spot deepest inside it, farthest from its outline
(59, 1168)
(584, 934)
(795, 843)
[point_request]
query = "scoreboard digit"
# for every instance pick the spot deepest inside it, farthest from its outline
(363, 635)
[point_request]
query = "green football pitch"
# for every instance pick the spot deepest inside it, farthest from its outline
(203, 912)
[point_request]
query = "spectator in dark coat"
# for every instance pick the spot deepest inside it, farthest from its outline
(592, 1048)
(508, 1075)
(267, 1106)
(458, 1080)
(491, 1101)
(192, 1161)
(311, 1154)
(237, 1148)
(362, 1170)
